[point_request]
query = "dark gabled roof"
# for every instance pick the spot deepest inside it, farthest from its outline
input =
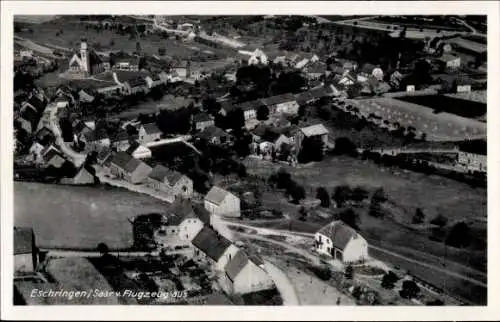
(250, 105)
(316, 67)
(160, 173)
(151, 128)
(181, 209)
(38, 104)
(50, 154)
(368, 68)
(216, 195)
(104, 153)
(125, 161)
(121, 136)
(138, 81)
(24, 240)
(339, 233)
(312, 94)
(31, 116)
(93, 136)
(236, 264)
(211, 132)
(201, 117)
(270, 136)
(211, 243)
(278, 99)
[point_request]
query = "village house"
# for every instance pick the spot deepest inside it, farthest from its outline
(154, 80)
(53, 157)
(95, 140)
(103, 155)
(123, 165)
(83, 176)
(201, 121)
(136, 85)
(86, 62)
(242, 275)
(318, 131)
(28, 120)
(122, 140)
(149, 133)
(341, 242)
(126, 63)
(170, 181)
(35, 152)
(463, 84)
(34, 103)
(213, 248)
(190, 219)
(25, 252)
(138, 151)
(214, 135)
(315, 70)
(311, 96)
(306, 59)
(449, 61)
(221, 202)
(182, 69)
(285, 103)
(250, 109)
(86, 95)
(256, 57)
(348, 79)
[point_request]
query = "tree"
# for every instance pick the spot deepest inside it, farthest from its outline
(262, 113)
(459, 236)
(440, 221)
(111, 42)
(375, 209)
(350, 218)
(341, 195)
(344, 145)
(323, 196)
(102, 248)
(359, 194)
(138, 46)
(312, 149)
(419, 216)
(389, 280)
(349, 272)
(162, 51)
(297, 192)
(409, 290)
(379, 195)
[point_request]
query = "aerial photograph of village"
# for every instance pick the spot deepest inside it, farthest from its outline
(250, 160)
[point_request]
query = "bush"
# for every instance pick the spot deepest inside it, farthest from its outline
(349, 272)
(389, 280)
(350, 218)
(439, 220)
(410, 290)
(322, 194)
(419, 216)
(341, 195)
(297, 192)
(459, 236)
(359, 194)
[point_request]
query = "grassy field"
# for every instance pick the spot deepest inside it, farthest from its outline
(442, 126)
(73, 32)
(79, 217)
(465, 108)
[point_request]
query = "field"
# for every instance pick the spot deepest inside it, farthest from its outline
(79, 217)
(448, 104)
(73, 32)
(439, 126)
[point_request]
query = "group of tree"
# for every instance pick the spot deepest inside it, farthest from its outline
(343, 194)
(350, 218)
(283, 180)
(375, 208)
(175, 121)
(312, 150)
(409, 288)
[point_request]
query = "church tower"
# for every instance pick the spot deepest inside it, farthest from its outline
(84, 57)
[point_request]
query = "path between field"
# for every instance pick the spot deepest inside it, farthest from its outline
(285, 287)
(380, 249)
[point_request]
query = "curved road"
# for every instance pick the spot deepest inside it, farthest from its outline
(285, 287)
(380, 249)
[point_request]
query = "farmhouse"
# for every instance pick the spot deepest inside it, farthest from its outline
(25, 253)
(82, 176)
(311, 96)
(138, 151)
(136, 85)
(285, 103)
(121, 141)
(123, 165)
(214, 135)
(126, 63)
(149, 133)
(242, 275)
(28, 120)
(449, 61)
(201, 121)
(221, 202)
(317, 131)
(34, 103)
(52, 157)
(341, 242)
(170, 181)
(95, 140)
(213, 248)
(315, 70)
(256, 57)
(86, 62)
(154, 80)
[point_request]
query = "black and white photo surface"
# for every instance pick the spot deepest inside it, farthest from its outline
(272, 160)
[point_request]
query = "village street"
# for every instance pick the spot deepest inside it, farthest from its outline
(285, 287)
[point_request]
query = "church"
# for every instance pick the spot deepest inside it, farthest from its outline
(86, 62)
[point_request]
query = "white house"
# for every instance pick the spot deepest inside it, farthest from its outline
(285, 103)
(221, 202)
(149, 133)
(256, 57)
(214, 248)
(139, 151)
(450, 61)
(341, 242)
(242, 275)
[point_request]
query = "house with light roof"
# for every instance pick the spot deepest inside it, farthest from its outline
(221, 202)
(341, 242)
(318, 131)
